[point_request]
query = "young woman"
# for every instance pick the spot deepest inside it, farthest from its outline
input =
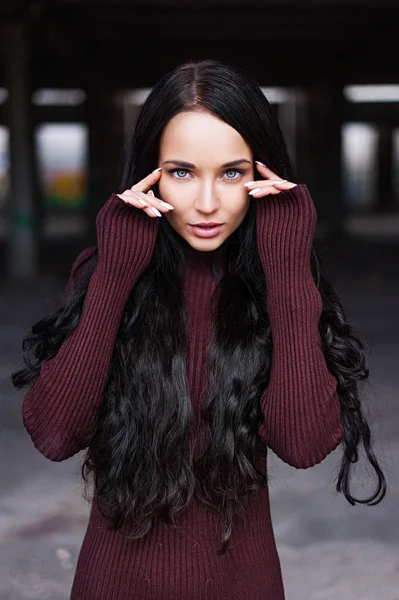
(198, 332)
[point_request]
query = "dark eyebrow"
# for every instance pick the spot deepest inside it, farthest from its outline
(186, 165)
(234, 163)
(180, 163)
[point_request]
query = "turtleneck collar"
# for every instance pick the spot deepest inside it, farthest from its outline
(215, 260)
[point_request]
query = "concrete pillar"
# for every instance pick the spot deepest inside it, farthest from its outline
(22, 245)
(106, 150)
(287, 118)
(385, 184)
(320, 118)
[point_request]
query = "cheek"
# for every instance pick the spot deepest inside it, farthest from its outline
(238, 209)
(168, 192)
(162, 190)
(172, 193)
(236, 202)
(240, 215)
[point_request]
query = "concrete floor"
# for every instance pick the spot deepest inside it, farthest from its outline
(329, 550)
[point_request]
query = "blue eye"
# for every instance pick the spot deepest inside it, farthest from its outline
(178, 173)
(231, 174)
(236, 172)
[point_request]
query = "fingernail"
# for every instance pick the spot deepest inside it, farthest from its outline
(156, 211)
(254, 191)
(249, 183)
(143, 202)
(260, 163)
(166, 205)
(155, 170)
(151, 193)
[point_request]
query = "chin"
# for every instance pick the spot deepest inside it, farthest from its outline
(205, 245)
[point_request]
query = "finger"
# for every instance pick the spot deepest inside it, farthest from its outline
(261, 182)
(139, 202)
(265, 191)
(265, 171)
(277, 187)
(154, 201)
(132, 199)
(145, 184)
(285, 186)
(150, 200)
(268, 183)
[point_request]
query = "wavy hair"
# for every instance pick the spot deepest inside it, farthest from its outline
(138, 450)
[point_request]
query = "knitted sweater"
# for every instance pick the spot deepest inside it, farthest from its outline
(301, 407)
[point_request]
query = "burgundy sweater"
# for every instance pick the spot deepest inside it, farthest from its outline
(300, 404)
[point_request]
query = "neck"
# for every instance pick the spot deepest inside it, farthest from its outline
(215, 259)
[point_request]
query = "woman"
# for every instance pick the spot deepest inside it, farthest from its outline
(200, 330)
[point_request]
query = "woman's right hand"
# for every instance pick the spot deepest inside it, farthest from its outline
(125, 237)
(142, 197)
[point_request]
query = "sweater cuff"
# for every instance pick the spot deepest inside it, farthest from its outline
(285, 225)
(126, 238)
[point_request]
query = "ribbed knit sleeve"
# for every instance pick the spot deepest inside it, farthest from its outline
(61, 404)
(301, 407)
(77, 268)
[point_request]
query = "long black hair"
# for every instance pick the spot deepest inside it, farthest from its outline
(138, 446)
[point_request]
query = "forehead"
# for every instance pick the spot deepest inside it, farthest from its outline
(200, 137)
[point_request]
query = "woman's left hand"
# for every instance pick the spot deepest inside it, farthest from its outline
(271, 185)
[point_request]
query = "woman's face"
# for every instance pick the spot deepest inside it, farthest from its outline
(205, 163)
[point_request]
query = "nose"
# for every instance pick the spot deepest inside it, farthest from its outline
(206, 200)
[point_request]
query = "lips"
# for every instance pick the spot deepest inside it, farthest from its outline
(206, 230)
(207, 225)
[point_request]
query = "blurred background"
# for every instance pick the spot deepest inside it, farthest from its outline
(73, 75)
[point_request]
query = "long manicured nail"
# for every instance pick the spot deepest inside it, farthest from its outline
(155, 170)
(156, 211)
(254, 191)
(260, 163)
(249, 183)
(166, 205)
(273, 182)
(143, 202)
